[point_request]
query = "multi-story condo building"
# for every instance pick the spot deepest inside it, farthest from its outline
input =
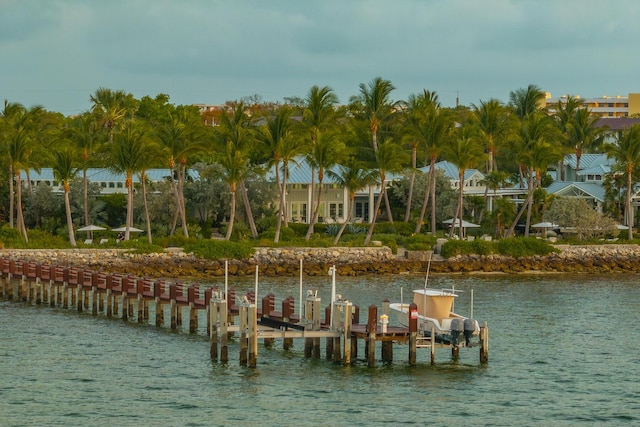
(604, 106)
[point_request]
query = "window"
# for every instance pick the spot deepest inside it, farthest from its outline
(336, 210)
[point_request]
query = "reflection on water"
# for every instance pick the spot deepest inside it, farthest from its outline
(562, 352)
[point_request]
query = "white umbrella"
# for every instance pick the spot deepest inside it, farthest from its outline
(545, 224)
(91, 228)
(131, 229)
(622, 227)
(465, 224)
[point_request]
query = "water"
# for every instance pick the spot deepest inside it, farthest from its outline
(562, 352)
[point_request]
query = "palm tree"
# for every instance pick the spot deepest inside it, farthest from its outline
(435, 129)
(354, 176)
(326, 153)
(131, 150)
(535, 147)
(280, 145)
(318, 116)
(583, 133)
(110, 107)
(414, 114)
(375, 107)
(495, 124)
(626, 152)
(564, 113)
(390, 158)
(65, 169)
(21, 127)
(526, 101)
(465, 151)
(84, 133)
(234, 139)
(181, 134)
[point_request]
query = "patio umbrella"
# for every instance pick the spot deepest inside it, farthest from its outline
(131, 229)
(465, 224)
(545, 224)
(91, 228)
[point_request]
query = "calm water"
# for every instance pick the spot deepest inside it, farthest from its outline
(563, 351)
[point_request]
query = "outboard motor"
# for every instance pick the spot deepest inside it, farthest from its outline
(457, 327)
(469, 329)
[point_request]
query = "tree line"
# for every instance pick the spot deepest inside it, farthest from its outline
(360, 143)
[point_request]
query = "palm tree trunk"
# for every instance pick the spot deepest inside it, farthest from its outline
(67, 208)
(11, 196)
(629, 213)
(314, 216)
(414, 163)
(21, 227)
(388, 206)
(280, 204)
(352, 197)
(375, 217)
(247, 208)
(511, 229)
(232, 216)
(181, 205)
(427, 191)
(146, 207)
(432, 182)
(85, 201)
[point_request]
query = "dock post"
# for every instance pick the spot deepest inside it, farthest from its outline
(372, 330)
(253, 335)
(348, 319)
(337, 351)
(173, 293)
(308, 342)
(433, 345)
(484, 343)
(243, 334)
(157, 296)
(413, 333)
(316, 327)
(214, 306)
(224, 335)
(329, 342)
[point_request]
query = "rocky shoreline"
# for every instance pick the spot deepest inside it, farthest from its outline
(348, 261)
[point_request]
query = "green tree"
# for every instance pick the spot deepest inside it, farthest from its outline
(65, 169)
(465, 151)
(412, 123)
(390, 158)
(535, 147)
(354, 176)
(584, 134)
(84, 133)
(111, 107)
(374, 105)
(132, 150)
(281, 146)
(626, 153)
(564, 112)
(182, 134)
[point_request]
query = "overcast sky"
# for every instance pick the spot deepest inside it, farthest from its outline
(56, 53)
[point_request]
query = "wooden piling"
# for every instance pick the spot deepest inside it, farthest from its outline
(484, 343)
(253, 335)
(372, 330)
(413, 333)
(243, 334)
(224, 334)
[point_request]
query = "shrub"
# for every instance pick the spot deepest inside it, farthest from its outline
(523, 246)
(219, 249)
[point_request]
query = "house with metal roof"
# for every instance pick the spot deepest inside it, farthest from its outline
(109, 181)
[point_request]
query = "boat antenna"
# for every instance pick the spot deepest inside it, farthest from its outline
(426, 279)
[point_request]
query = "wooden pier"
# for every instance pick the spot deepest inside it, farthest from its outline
(227, 313)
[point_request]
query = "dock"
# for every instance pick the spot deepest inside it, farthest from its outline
(228, 315)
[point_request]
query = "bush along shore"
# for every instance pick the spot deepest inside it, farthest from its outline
(348, 261)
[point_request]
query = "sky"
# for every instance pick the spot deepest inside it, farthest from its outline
(57, 53)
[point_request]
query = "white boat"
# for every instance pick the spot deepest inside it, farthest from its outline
(435, 313)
